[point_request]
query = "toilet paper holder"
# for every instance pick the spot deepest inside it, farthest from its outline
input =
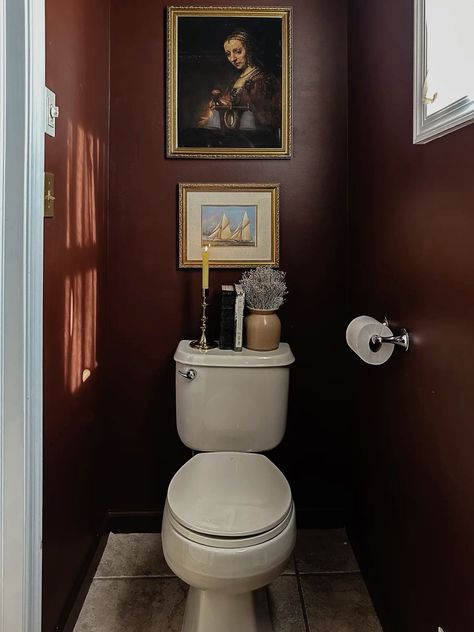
(402, 339)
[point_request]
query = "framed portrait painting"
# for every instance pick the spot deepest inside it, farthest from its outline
(229, 82)
(239, 223)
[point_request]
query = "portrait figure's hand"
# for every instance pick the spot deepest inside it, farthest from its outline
(218, 98)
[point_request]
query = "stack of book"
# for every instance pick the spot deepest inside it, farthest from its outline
(232, 317)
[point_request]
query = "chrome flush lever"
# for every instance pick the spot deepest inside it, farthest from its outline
(189, 375)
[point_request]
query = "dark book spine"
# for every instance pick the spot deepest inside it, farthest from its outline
(226, 335)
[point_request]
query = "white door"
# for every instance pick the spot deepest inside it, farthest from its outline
(21, 271)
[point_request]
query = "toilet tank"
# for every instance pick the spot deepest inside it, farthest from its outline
(236, 400)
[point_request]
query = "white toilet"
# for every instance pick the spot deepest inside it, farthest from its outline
(229, 520)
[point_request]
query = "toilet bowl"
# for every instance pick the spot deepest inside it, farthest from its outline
(229, 520)
(228, 530)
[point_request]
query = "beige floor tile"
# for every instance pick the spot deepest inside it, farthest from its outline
(335, 603)
(324, 551)
(133, 605)
(338, 603)
(131, 554)
(152, 605)
(285, 605)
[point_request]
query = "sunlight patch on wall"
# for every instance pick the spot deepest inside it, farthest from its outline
(84, 152)
(80, 348)
(83, 164)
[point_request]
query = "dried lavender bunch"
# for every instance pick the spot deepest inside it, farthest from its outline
(264, 288)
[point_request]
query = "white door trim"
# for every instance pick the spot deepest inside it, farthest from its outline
(450, 118)
(22, 54)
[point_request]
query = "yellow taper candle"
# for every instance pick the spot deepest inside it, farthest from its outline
(205, 268)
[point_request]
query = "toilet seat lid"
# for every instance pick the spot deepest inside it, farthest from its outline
(233, 494)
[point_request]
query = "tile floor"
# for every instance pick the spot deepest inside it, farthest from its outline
(321, 590)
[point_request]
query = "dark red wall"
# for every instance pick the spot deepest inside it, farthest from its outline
(74, 263)
(411, 222)
(152, 304)
(412, 258)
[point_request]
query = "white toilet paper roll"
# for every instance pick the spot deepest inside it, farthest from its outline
(358, 335)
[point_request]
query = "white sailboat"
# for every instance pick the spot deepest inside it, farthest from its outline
(222, 231)
(224, 235)
(243, 233)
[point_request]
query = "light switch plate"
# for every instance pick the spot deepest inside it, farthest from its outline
(50, 113)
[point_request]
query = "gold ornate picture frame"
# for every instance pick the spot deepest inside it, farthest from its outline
(229, 82)
(240, 223)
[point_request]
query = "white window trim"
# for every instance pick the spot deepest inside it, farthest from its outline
(450, 118)
(22, 53)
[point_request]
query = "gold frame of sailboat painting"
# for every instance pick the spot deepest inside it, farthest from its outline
(239, 222)
(229, 82)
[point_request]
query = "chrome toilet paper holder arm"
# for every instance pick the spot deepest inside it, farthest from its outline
(402, 339)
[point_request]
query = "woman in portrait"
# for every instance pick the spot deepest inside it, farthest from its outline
(252, 103)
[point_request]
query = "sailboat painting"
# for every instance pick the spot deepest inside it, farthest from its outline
(241, 223)
(229, 225)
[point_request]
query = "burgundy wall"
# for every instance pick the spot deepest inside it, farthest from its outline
(152, 304)
(74, 250)
(412, 258)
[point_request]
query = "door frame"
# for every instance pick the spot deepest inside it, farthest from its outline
(22, 72)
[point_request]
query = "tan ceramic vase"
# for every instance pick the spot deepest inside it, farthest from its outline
(262, 329)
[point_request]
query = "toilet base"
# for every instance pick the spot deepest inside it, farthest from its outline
(212, 611)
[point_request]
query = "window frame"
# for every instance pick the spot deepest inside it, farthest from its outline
(454, 116)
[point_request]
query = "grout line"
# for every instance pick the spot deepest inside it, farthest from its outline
(300, 591)
(102, 577)
(329, 573)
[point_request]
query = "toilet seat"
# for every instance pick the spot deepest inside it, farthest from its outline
(229, 499)
(223, 542)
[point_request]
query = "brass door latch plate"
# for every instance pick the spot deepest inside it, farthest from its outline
(49, 194)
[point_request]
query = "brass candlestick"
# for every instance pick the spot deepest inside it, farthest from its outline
(202, 343)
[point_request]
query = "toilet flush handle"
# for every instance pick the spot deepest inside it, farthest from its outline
(190, 374)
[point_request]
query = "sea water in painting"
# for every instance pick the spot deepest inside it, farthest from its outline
(229, 225)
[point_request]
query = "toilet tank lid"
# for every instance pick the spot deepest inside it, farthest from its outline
(185, 354)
